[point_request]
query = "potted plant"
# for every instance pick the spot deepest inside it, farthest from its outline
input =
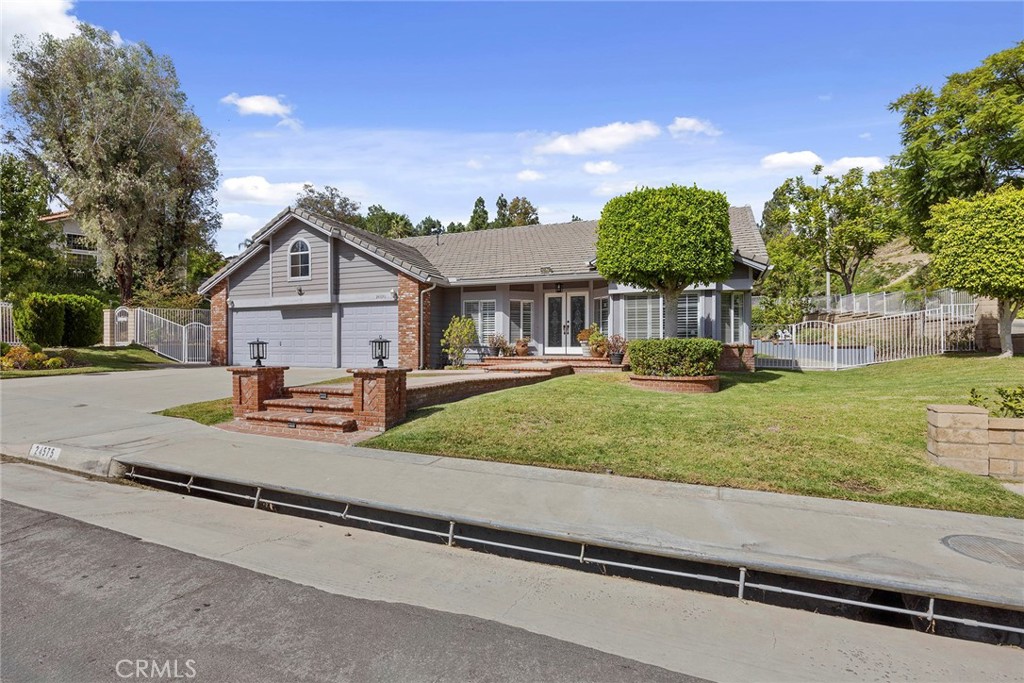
(598, 345)
(499, 346)
(522, 347)
(616, 345)
(583, 337)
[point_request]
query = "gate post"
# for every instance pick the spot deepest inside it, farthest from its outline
(835, 346)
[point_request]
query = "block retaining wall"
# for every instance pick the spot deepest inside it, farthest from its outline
(968, 439)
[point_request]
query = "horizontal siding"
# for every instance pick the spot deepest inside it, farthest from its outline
(252, 279)
(318, 260)
(359, 273)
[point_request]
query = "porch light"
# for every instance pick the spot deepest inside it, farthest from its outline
(558, 287)
(258, 351)
(379, 350)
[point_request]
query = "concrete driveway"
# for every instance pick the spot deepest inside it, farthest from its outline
(96, 416)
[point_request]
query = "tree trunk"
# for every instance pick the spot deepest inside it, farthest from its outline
(671, 313)
(124, 277)
(1007, 313)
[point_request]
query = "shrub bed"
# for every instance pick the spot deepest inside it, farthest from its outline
(83, 320)
(59, 320)
(675, 357)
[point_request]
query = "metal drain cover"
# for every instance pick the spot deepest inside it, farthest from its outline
(987, 549)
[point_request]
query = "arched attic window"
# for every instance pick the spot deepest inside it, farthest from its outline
(298, 260)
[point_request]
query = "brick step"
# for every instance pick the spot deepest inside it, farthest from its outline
(306, 404)
(569, 360)
(303, 433)
(321, 392)
(287, 418)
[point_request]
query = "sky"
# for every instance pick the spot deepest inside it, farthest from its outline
(422, 107)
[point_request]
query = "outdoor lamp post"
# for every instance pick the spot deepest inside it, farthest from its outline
(379, 350)
(258, 351)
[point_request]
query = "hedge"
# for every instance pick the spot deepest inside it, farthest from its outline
(40, 319)
(675, 357)
(83, 320)
(59, 320)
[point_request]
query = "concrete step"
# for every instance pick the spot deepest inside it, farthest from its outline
(321, 392)
(311, 404)
(293, 420)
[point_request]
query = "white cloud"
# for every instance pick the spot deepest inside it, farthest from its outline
(260, 105)
(610, 189)
(240, 222)
(529, 175)
(865, 136)
(474, 164)
(684, 126)
(601, 167)
(31, 19)
(608, 138)
(844, 164)
(255, 189)
(787, 160)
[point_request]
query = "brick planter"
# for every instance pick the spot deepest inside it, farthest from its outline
(252, 387)
(679, 385)
(966, 438)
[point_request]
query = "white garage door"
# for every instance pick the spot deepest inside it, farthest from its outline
(299, 336)
(362, 322)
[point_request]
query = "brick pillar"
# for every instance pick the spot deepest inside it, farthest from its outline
(379, 397)
(108, 327)
(219, 324)
(736, 358)
(413, 331)
(958, 437)
(986, 330)
(250, 387)
(1006, 448)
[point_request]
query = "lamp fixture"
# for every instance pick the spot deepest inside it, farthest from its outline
(558, 287)
(298, 290)
(379, 348)
(258, 351)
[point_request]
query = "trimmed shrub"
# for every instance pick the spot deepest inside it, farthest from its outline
(19, 358)
(4, 348)
(675, 357)
(34, 348)
(40, 319)
(83, 320)
(55, 363)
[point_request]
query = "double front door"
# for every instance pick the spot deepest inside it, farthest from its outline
(565, 316)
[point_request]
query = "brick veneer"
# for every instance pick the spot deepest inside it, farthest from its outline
(966, 438)
(679, 385)
(379, 397)
(421, 397)
(251, 387)
(219, 324)
(737, 358)
(411, 333)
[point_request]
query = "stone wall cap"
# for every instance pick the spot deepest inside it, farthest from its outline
(251, 370)
(376, 371)
(1006, 423)
(944, 408)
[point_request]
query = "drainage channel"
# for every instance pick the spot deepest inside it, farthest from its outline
(943, 617)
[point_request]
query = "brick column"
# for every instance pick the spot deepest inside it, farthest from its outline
(958, 437)
(413, 331)
(1006, 448)
(219, 324)
(108, 327)
(379, 397)
(986, 330)
(250, 387)
(736, 358)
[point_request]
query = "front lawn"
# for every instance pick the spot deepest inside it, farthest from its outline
(205, 412)
(857, 434)
(100, 359)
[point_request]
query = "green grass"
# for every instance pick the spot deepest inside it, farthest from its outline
(856, 435)
(100, 359)
(205, 412)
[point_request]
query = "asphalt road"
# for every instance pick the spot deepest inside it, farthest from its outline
(81, 603)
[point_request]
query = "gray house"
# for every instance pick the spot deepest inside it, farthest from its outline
(318, 290)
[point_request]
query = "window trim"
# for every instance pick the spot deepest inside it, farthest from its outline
(596, 314)
(478, 321)
(309, 259)
(658, 326)
(735, 322)
(511, 337)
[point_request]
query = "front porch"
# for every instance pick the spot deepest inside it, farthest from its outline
(579, 363)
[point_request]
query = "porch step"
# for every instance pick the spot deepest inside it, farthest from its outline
(321, 392)
(311, 404)
(317, 422)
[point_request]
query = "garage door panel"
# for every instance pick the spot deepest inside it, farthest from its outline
(301, 336)
(362, 322)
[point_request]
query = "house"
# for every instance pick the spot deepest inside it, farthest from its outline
(80, 250)
(318, 291)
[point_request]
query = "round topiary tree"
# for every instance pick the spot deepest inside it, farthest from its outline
(979, 248)
(665, 239)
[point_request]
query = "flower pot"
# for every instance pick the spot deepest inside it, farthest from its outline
(616, 358)
(585, 346)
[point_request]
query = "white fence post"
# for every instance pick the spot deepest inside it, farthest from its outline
(835, 347)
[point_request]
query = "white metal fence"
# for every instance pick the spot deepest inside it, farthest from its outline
(181, 316)
(187, 342)
(7, 333)
(888, 303)
(820, 345)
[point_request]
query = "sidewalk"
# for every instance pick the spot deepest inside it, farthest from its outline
(858, 543)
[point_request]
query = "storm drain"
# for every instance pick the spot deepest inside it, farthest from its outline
(987, 549)
(874, 605)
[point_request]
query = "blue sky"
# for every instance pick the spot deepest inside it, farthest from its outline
(423, 107)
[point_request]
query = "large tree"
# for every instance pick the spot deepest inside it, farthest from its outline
(478, 220)
(968, 138)
(27, 252)
(665, 240)
(521, 211)
(840, 220)
(107, 124)
(388, 223)
(501, 217)
(429, 226)
(979, 247)
(329, 202)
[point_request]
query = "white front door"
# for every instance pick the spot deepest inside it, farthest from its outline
(565, 316)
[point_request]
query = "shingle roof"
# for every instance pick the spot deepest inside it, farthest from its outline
(746, 236)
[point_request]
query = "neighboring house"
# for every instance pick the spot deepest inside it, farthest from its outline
(318, 291)
(80, 250)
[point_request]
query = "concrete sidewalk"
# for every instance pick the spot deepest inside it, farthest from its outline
(863, 544)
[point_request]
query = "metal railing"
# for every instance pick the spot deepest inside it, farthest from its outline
(821, 345)
(184, 343)
(181, 316)
(888, 303)
(8, 334)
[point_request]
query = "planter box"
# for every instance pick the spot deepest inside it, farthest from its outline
(679, 385)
